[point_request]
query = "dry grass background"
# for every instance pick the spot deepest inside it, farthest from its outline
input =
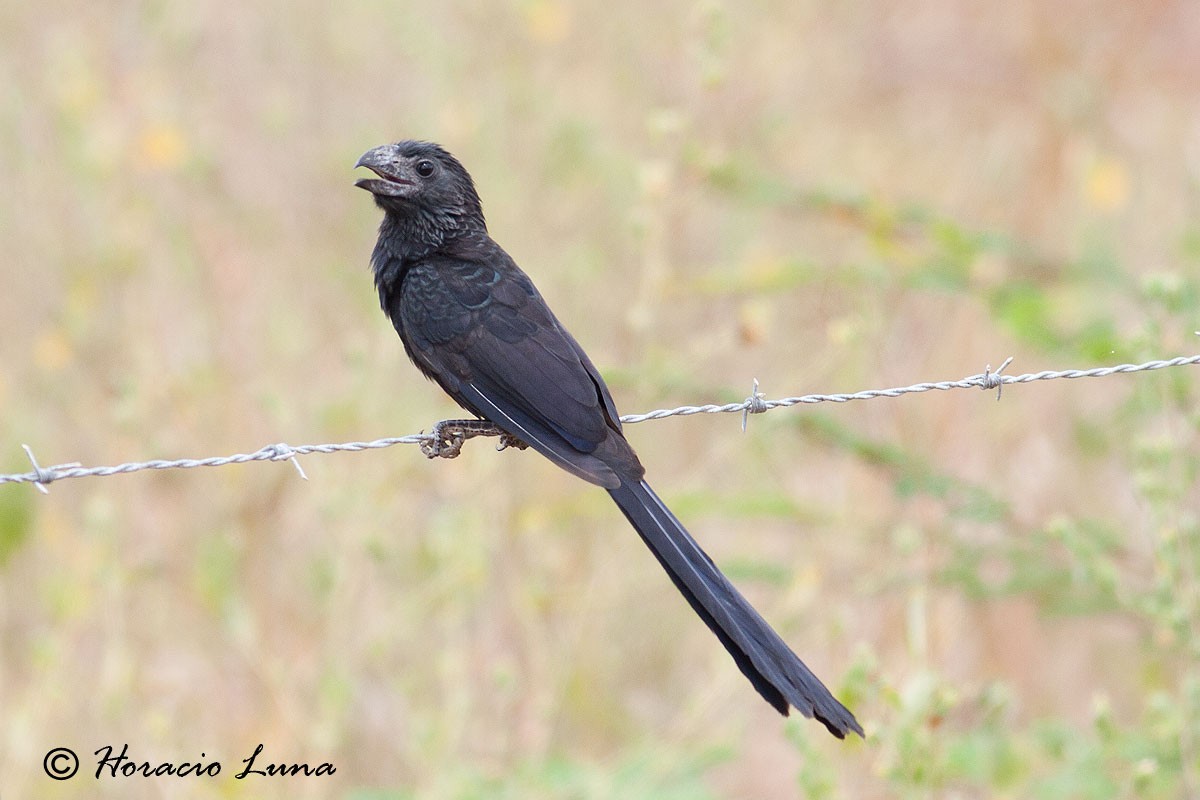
(827, 197)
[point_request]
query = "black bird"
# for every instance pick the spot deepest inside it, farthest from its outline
(472, 321)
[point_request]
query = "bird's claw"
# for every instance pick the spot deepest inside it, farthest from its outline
(446, 442)
(447, 437)
(507, 440)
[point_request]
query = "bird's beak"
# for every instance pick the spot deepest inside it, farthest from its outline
(385, 162)
(376, 157)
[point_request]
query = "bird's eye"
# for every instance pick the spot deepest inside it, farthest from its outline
(425, 168)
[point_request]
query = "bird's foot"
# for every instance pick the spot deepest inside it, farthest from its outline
(448, 436)
(507, 440)
(446, 441)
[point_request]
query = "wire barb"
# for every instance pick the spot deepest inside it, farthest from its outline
(282, 451)
(447, 437)
(994, 380)
(754, 404)
(45, 475)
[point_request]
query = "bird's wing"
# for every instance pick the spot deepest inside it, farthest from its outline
(484, 332)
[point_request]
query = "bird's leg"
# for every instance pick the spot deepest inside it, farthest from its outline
(450, 434)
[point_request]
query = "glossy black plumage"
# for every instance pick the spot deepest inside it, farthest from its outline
(472, 321)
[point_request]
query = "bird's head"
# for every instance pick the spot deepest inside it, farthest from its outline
(421, 182)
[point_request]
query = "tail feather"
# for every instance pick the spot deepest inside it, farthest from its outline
(776, 672)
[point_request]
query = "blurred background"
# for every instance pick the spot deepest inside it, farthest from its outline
(825, 197)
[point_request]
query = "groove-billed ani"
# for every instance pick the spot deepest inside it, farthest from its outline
(471, 320)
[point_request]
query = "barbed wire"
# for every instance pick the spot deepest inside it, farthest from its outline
(447, 437)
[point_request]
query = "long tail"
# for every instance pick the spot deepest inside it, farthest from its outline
(776, 672)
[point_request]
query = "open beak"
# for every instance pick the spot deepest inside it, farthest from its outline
(385, 162)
